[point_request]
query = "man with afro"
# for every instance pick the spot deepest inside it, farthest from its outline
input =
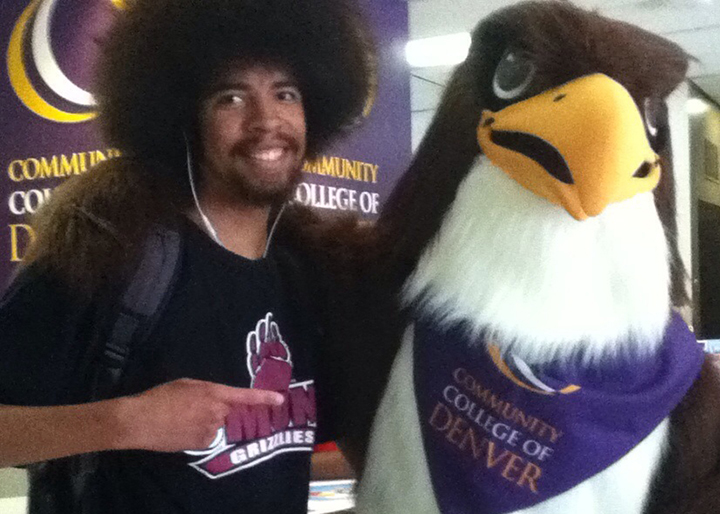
(214, 105)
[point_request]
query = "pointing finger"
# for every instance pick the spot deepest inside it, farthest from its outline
(237, 395)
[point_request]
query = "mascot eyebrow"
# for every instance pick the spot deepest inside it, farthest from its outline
(524, 289)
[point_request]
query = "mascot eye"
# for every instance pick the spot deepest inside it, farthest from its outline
(652, 110)
(513, 75)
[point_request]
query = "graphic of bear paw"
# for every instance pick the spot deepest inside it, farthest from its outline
(269, 360)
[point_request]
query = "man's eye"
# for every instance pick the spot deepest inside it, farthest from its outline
(289, 95)
(230, 99)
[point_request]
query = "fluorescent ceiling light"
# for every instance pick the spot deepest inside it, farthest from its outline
(438, 51)
(696, 106)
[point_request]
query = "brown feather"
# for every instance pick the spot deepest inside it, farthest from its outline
(689, 481)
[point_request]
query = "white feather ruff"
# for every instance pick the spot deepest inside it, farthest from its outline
(544, 284)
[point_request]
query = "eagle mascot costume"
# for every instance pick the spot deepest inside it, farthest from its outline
(514, 345)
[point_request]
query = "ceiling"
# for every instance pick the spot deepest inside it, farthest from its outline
(693, 24)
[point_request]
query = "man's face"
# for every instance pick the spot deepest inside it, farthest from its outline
(252, 134)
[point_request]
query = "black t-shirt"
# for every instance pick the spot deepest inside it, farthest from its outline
(229, 320)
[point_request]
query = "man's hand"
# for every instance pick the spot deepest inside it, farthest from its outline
(181, 415)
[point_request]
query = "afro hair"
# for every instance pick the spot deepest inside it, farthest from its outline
(160, 55)
(157, 61)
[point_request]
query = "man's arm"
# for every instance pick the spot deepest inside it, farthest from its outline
(180, 415)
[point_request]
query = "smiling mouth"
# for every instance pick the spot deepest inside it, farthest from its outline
(269, 155)
(537, 149)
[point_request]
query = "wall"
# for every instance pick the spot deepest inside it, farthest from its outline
(680, 134)
(705, 132)
(13, 487)
(708, 129)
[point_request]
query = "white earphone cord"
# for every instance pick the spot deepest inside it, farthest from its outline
(206, 221)
(211, 230)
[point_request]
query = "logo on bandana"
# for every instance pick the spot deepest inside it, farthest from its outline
(257, 433)
(514, 368)
(500, 436)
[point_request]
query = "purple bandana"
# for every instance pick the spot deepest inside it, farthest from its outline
(500, 436)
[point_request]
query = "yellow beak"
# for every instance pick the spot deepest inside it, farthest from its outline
(581, 145)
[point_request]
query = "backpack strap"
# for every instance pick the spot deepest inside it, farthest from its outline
(139, 307)
(138, 310)
(122, 322)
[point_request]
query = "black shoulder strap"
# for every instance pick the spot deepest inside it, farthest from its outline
(139, 306)
(62, 485)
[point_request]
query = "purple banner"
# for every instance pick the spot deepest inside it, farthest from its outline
(48, 133)
(359, 173)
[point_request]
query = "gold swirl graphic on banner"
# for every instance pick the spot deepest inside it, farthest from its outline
(20, 82)
(371, 95)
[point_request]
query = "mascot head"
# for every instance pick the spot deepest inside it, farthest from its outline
(540, 205)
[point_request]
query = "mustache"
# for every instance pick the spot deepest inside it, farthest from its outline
(247, 144)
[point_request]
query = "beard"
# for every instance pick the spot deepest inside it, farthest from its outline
(240, 179)
(257, 192)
